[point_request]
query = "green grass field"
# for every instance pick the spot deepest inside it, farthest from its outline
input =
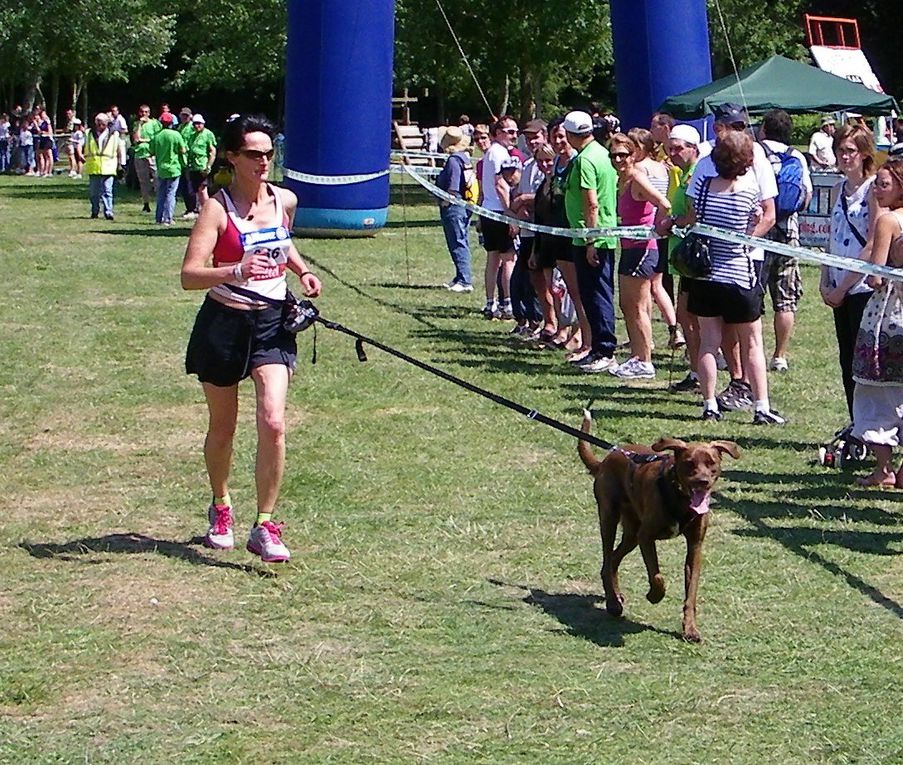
(442, 603)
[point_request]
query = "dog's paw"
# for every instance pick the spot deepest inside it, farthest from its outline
(615, 606)
(656, 590)
(691, 635)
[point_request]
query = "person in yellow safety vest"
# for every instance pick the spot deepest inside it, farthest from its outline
(101, 164)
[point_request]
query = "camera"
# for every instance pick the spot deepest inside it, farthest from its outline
(298, 315)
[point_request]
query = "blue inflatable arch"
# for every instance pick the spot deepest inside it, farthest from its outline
(338, 93)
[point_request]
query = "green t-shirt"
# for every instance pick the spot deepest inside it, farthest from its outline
(592, 169)
(185, 129)
(679, 201)
(146, 131)
(199, 143)
(168, 147)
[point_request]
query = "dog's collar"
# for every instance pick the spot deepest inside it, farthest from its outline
(643, 459)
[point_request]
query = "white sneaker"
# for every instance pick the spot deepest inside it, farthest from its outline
(598, 364)
(634, 369)
(266, 541)
(189, 216)
(219, 535)
(779, 364)
(460, 287)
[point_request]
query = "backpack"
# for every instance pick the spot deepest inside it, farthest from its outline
(788, 171)
(470, 186)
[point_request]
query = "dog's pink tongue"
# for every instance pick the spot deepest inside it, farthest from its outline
(699, 502)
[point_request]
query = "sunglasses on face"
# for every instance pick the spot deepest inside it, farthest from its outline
(256, 154)
(620, 154)
(510, 131)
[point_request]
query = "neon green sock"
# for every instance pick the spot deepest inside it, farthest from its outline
(225, 500)
(263, 517)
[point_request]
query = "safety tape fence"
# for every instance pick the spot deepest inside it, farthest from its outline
(647, 232)
(627, 232)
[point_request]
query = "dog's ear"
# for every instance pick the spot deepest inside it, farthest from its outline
(727, 447)
(675, 444)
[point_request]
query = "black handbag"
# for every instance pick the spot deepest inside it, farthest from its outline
(691, 257)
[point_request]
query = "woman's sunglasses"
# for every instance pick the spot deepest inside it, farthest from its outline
(256, 154)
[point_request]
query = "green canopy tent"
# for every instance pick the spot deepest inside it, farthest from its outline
(779, 83)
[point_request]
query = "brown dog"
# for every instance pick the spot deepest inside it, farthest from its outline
(654, 496)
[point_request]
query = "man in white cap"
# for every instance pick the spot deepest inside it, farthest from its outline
(590, 200)
(201, 153)
(455, 178)
(821, 145)
(682, 147)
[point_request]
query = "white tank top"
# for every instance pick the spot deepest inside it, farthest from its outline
(272, 241)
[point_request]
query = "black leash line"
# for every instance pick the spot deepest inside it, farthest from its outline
(530, 414)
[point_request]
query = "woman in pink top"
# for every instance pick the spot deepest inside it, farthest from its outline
(638, 202)
(239, 251)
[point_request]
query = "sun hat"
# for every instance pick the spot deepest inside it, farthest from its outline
(198, 117)
(454, 140)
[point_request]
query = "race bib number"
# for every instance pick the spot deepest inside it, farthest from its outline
(271, 242)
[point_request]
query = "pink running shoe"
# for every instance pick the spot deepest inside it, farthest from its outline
(266, 541)
(219, 535)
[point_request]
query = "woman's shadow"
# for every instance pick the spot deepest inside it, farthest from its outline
(78, 549)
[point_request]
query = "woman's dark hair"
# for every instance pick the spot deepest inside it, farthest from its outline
(733, 154)
(236, 130)
(554, 125)
(776, 126)
(894, 166)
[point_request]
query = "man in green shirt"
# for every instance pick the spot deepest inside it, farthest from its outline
(591, 201)
(169, 150)
(145, 128)
(201, 153)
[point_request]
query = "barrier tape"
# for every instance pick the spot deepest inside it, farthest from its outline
(332, 180)
(627, 232)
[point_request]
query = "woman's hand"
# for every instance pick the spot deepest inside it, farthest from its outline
(834, 297)
(874, 281)
(311, 285)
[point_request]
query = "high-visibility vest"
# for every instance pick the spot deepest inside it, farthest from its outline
(101, 162)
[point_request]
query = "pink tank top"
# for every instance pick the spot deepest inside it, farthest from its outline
(632, 212)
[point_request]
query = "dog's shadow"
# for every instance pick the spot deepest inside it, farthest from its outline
(78, 550)
(583, 616)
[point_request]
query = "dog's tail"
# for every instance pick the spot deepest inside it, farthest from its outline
(592, 462)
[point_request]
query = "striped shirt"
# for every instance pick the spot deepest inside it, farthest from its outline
(731, 211)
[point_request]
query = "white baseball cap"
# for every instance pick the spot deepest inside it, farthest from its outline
(198, 117)
(579, 123)
(685, 133)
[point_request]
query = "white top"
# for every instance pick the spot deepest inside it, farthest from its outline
(492, 166)
(4, 130)
(530, 180)
(119, 125)
(731, 211)
(821, 147)
(843, 241)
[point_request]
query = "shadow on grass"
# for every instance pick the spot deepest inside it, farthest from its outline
(582, 617)
(802, 540)
(55, 191)
(134, 544)
(165, 231)
(412, 224)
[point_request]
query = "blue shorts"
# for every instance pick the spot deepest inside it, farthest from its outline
(640, 262)
(227, 343)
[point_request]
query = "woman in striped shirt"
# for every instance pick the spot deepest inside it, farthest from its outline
(732, 293)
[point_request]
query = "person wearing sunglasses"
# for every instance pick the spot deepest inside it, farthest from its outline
(169, 151)
(240, 249)
(497, 237)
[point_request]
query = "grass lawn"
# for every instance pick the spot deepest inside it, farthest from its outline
(442, 603)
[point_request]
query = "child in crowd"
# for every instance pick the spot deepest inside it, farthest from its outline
(76, 149)
(878, 355)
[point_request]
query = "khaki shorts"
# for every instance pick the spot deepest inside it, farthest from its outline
(782, 275)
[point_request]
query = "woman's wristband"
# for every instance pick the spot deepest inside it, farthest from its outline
(304, 273)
